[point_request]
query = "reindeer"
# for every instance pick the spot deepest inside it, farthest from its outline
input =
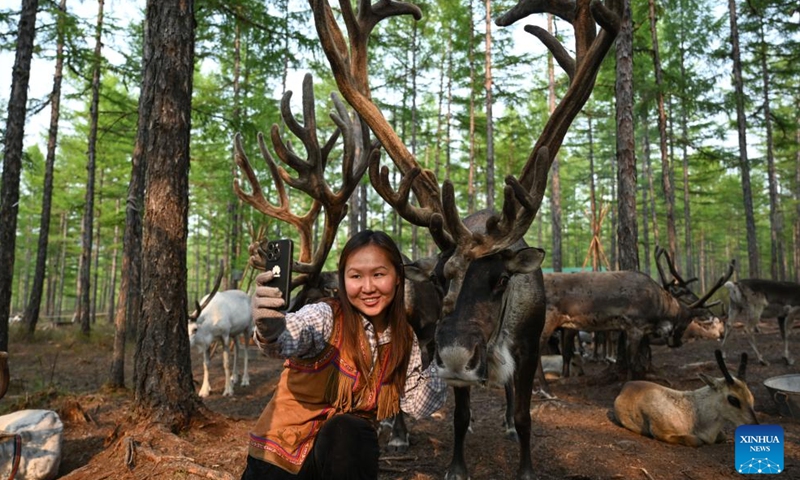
(493, 306)
(625, 300)
(223, 316)
(494, 303)
(691, 418)
(750, 298)
(677, 287)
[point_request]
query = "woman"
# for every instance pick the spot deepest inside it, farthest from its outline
(351, 361)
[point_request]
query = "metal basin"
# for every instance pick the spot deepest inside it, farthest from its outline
(785, 391)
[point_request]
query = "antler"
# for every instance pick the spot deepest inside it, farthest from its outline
(724, 278)
(723, 367)
(310, 176)
(678, 287)
(437, 209)
(740, 374)
(199, 307)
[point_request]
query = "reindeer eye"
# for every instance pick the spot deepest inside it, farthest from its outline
(734, 401)
(502, 282)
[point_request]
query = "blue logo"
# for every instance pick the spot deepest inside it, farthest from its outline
(759, 449)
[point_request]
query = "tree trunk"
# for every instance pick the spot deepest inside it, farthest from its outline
(471, 56)
(164, 391)
(414, 113)
(797, 194)
(775, 219)
(84, 307)
(112, 288)
(687, 217)
(129, 303)
(96, 254)
(645, 221)
(12, 159)
(555, 175)
(234, 203)
(594, 252)
(449, 115)
(62, 261)
(741, 122)
(489, 100)
(666, 168)
(626, 148)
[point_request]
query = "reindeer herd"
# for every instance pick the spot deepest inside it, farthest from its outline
(481, 307)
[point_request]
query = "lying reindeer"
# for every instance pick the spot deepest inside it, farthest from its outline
(222, 316)
(750, 298)
(692, 418)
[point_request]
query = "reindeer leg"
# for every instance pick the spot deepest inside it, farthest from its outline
(398, 439)
(508, 419)
(205, 389)
(751, 339)
(728, 328)
(227, 367)
(234, 368)
(457, 470)
(245, 375)
(522, 407)
(786, 324)
(544, 389)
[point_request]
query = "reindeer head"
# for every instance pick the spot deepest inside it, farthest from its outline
(735, 401)
(698, 308)
(201, 305)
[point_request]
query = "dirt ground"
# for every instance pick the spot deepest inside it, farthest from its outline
(573, 437)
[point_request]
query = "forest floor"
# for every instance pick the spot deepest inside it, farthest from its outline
(573, 437)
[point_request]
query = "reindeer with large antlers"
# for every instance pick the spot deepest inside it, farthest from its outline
(493, 308)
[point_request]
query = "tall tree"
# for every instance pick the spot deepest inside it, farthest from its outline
(489, 100)
(666, 168)
(12, 158)
(626, 149)
(775, 218)
(84, 308)
(555, 175)
(797, 193)
(472, 75)
(31, 315)
(741, 124)
(164, 391)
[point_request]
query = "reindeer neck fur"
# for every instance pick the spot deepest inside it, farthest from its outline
(517, 303)
(708, 421)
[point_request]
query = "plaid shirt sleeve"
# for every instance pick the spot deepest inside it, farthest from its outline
(425, 391)
(307, 332)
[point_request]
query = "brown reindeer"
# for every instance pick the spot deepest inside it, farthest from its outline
(624, 300)
(493, 305)
(692, 418)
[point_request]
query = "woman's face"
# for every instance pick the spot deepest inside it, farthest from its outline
(370, 281)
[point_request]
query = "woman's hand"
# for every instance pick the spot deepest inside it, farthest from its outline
(269, 322)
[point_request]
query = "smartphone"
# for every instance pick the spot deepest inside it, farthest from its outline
(278, 256)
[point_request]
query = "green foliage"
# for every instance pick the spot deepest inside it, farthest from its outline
(416, 84)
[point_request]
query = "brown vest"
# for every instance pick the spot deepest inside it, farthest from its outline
(310, 391)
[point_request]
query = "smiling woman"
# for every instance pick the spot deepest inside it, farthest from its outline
(352, 361)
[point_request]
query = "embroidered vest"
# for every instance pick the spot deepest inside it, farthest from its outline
(310, 391)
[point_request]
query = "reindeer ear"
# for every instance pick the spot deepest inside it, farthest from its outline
(708, 380)
(526, 260)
